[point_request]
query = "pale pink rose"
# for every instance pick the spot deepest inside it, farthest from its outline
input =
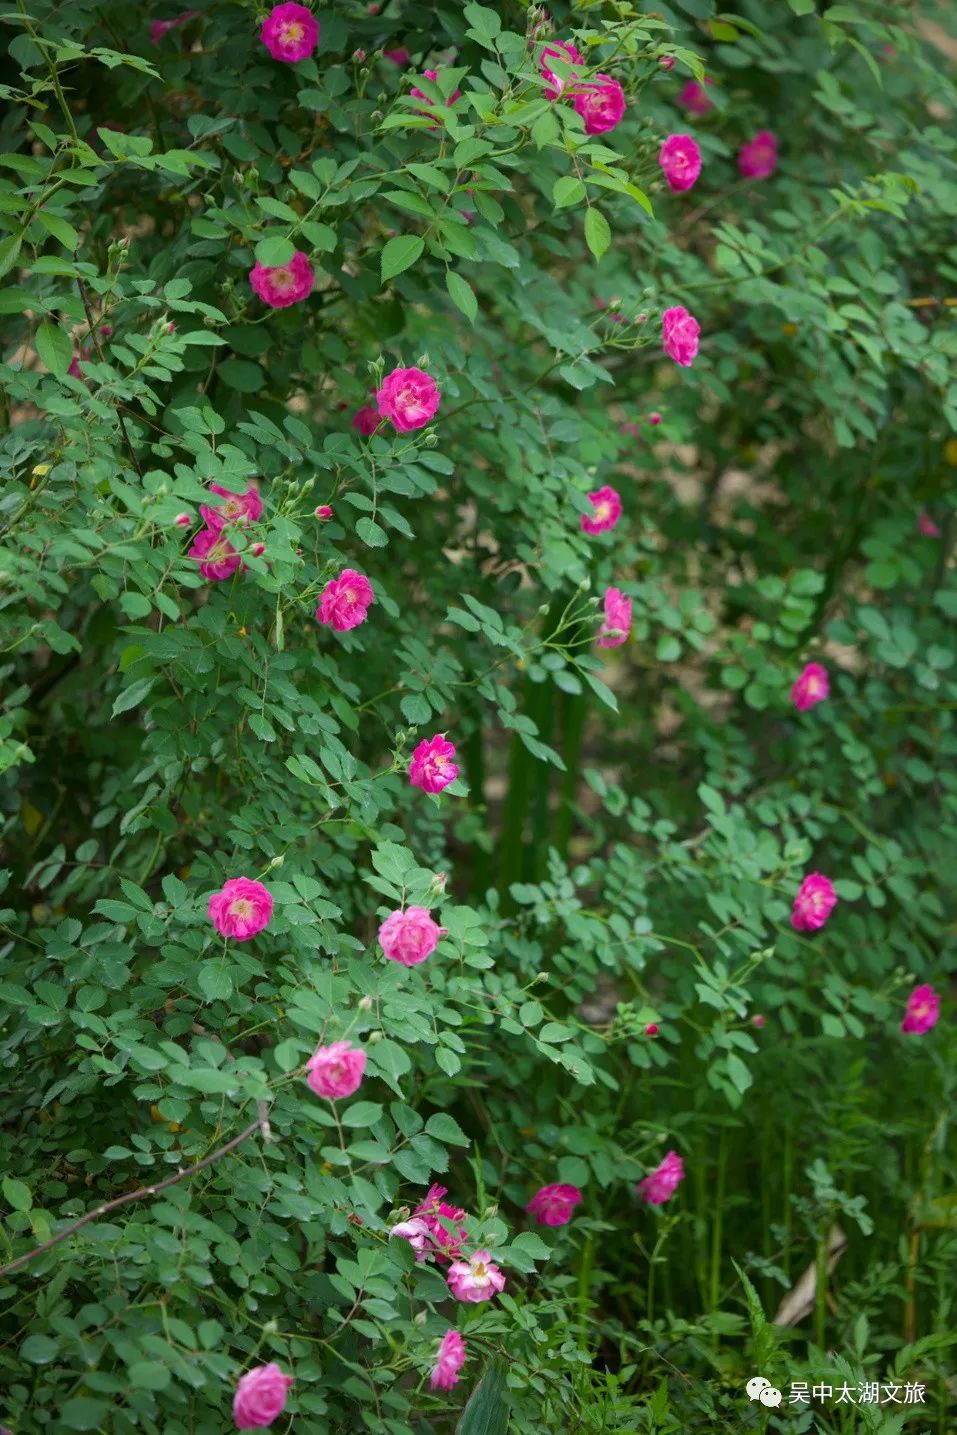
(433, 766)
(241, 909)
(260, 1397)
(336, 1070)
(814, 903)
(601, 104)
(927, 525)
(323, 512)
(565, 52)
(617, 624)
(446, 1234)
(416, 1232)
(398, 57)
(810, 688)
(606, 511)
(680, 160)
(758, 159)
(694, 98)
(366, 420)
(410, 936)
(923, 1010)
(409, 398)
(345, 600)
(290, 32)
(476, 1279)
(280, 285)
(663, 1181)
(679, 335)
(183, 520)
(239, 508)
(216, 556)
(448, 1361)
(554, 1205)
(432, 75)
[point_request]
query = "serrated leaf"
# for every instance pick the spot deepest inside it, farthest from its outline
(597, 232)
(274, 249)
(371, 534)
(400, 253)
(462, 294)
(54, 347)
(132, 695)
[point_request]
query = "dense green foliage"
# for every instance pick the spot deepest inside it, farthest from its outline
(630, 826)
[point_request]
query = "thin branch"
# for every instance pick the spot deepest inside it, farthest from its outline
(260, 1124)
(94, 335)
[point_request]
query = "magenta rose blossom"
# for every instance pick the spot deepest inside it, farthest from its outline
(476, 1279)
(443, 1223)
(927, 525)
(680, 160)
(448, 1361)
(601, 104)
(433, 764)
(409, 398)
(336, 1070)
(260, 1397)
(679, 335)
(280, 285)
(923, 1010)
(216, 556)
(758, 159)
(432, 75)
(694, 98)
(345, 601)
(663, 1181)
(241, 508)
(810, 688)
(241, 909)
(366, 420)
(290, 32)
(554, 1205)
(814, 903)
(606, 511)
(617, 625)
(410, 936)
(564, 51)
(416, 1232)
(159, 28)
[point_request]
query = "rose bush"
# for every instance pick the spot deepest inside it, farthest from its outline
(462, 588)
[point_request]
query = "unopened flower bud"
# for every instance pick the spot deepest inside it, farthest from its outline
(365, 1004)
(183, 520)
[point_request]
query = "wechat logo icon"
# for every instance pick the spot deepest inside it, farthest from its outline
(760, 1389)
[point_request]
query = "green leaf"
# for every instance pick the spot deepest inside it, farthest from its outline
(132, 695)
(83, 1413)
(39, 1349)
(462, 294)
(597, 232)
(487, 1410)
(240, 374)
(55, 348)
(371, 534)
(567, 190)
(274, 250)
(399, 253)
(16, 1194)
(446, 1129)
(214, 981)
(361, 1113)
(9, 249)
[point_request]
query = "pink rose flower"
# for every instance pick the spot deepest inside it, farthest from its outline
(336, 1070)
(448, 1362)
(814, 903)
(927, 525)
(442, 1221)
(476, 1279)
(432, 75)
(810, 688)
(601, 104)
(416, 1232)
(409, 398)
(75, 369)
(564, 51)
(366, 420)
(398, 57)
(679, 335)
(617, 625)
(694, 98)
(241, 909)
(260, 1397)
(280, 285)
(923, 1010)
(345, 600)
(663, 1181)
(758, 159)
(554, 1205)
(654, 419)
(216, 556)
(290, 32)
(239, 508)
(680, 160)
(433, 766)
(410, 936)
(606, 511)
(323, 512)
